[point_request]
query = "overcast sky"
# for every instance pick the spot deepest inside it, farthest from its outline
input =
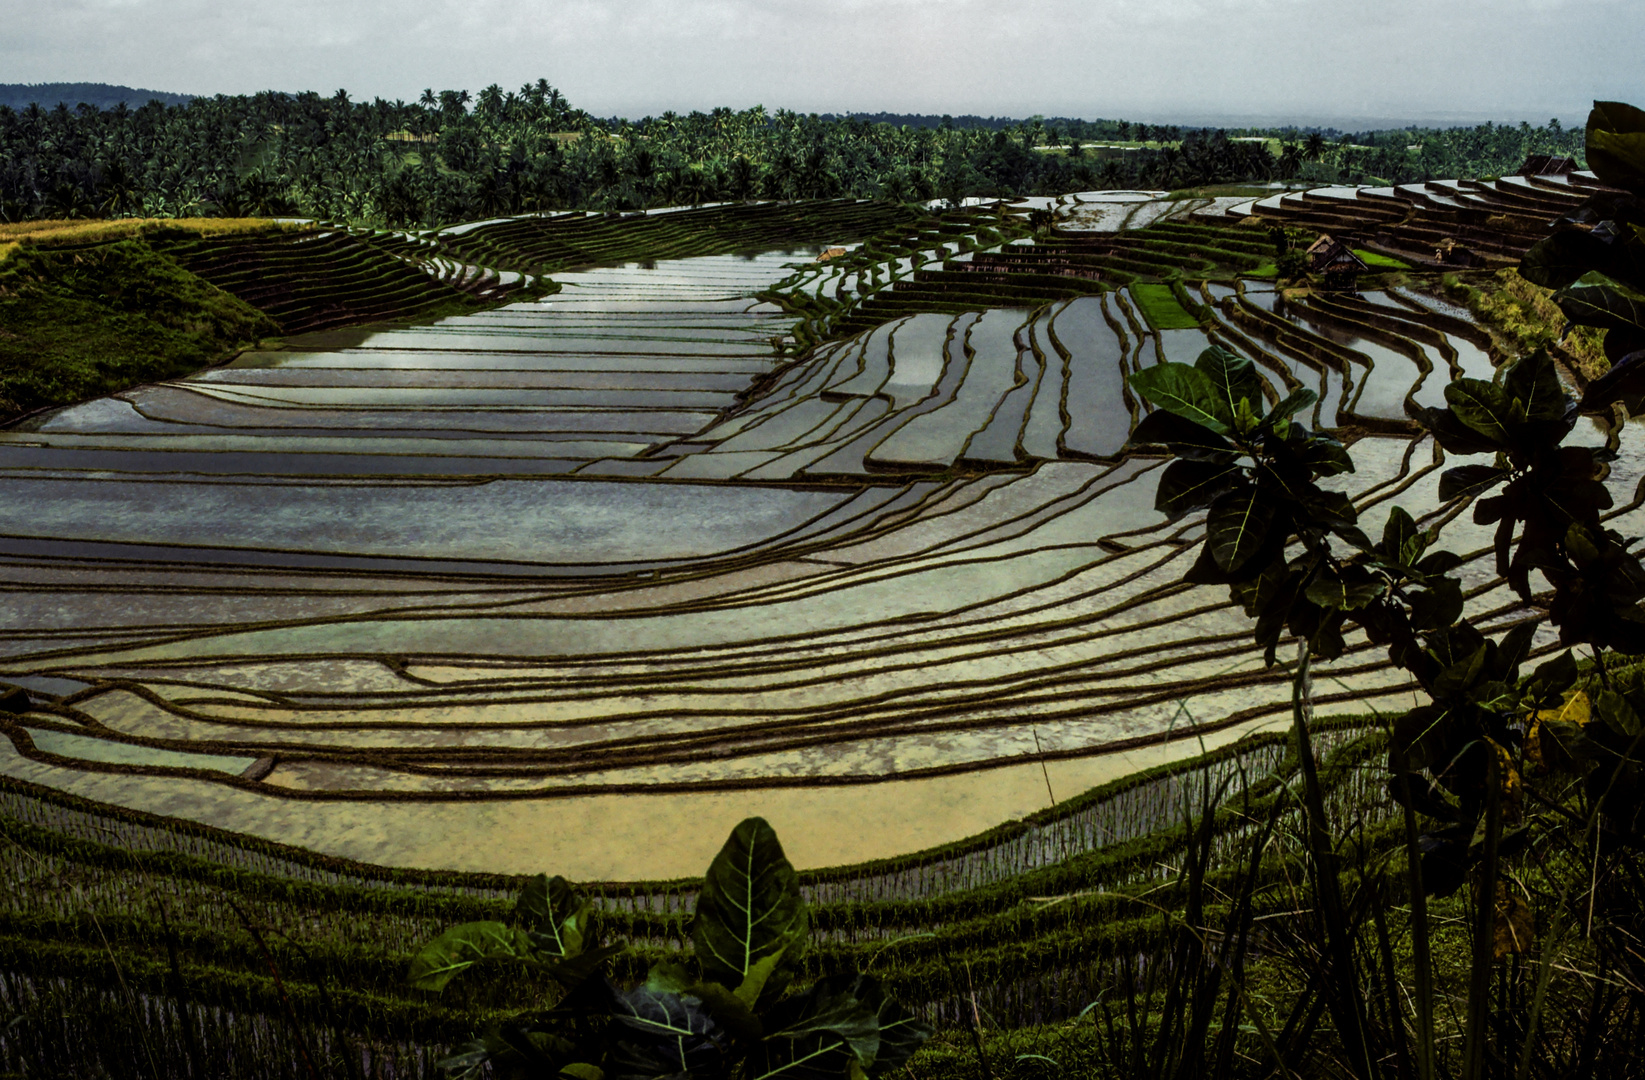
(1163, 60)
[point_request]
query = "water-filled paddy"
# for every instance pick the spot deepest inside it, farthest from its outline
(621, 559)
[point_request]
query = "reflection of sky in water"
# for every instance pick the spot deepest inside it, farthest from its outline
(1391, 377)
(1183, 346)
(90, 749)
(535, 521)
(940, 435)
(917, 357)
(1098, 420)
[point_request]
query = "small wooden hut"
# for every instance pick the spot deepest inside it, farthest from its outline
(1335, 261)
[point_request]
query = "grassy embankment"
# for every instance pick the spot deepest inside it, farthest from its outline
(89, 308)
(1161, 308)
(1523, 318)
(1381, 262)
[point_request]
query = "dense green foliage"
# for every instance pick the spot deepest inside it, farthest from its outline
(439, 159)
(1458, 764)
(726, 1015)
(76, 322)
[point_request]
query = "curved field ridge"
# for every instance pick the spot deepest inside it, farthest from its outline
(648, 556)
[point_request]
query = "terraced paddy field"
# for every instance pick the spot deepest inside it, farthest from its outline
(376, 621)
(631, 555)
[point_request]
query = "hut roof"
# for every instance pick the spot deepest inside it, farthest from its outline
(1547, 165)
(1327, 255)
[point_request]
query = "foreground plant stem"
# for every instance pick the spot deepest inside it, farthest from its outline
(1342, 988)
(1475, 1053)
(1420, 959)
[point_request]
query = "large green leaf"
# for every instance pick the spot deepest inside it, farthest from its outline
(727, 1009)
(1616, 116)
(1291, 404)
(1555, 261)
(1616, 144)
(1184, 437)
(1459, 676)
(552, 910)
(1402, 541)
(573, 970)
(1438, 562)
(665, 1035)
(834, 1029)
(901, 1035)
(817, 1056)
(1234, 376)
(1353, 588)
(1533, 381)
(1452, 434)
(582, 1070)
(1597, 300)
(1237, 526)
(1331, 509)
(1546, 687)
(461, 947)
(1187, 392)
(1617, 714)
(1625, 382)
(749, 911)
(1323, 454)
(1482, 407)
(1468, 480)
(1186, 486)
(1437, 606)
(833, 1008)
(1512, 650)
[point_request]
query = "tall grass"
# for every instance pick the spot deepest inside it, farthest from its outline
(1524, 318)
(83, 231)
(1193, 944)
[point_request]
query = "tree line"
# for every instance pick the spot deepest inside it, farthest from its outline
(451, 156)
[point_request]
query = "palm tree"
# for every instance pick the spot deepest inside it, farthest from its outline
(118, 191)
(741, 180)
(1290, 160)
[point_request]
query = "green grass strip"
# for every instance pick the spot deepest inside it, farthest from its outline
(1160, 307)
(1386, 262)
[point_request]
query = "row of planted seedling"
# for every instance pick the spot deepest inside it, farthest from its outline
(1053, 929)
(353, 937)
(310, 281)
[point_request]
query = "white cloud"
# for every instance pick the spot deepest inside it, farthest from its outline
(1139, 58)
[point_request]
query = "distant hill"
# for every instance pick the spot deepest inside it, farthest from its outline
(102, 95)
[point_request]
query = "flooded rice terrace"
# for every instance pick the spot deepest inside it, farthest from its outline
(624, 563)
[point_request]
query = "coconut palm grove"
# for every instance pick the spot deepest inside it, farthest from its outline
(495, 592)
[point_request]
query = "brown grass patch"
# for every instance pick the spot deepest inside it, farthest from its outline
(75, 231)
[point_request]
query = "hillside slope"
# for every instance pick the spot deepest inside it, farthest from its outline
(76, 322)
(103, 95)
